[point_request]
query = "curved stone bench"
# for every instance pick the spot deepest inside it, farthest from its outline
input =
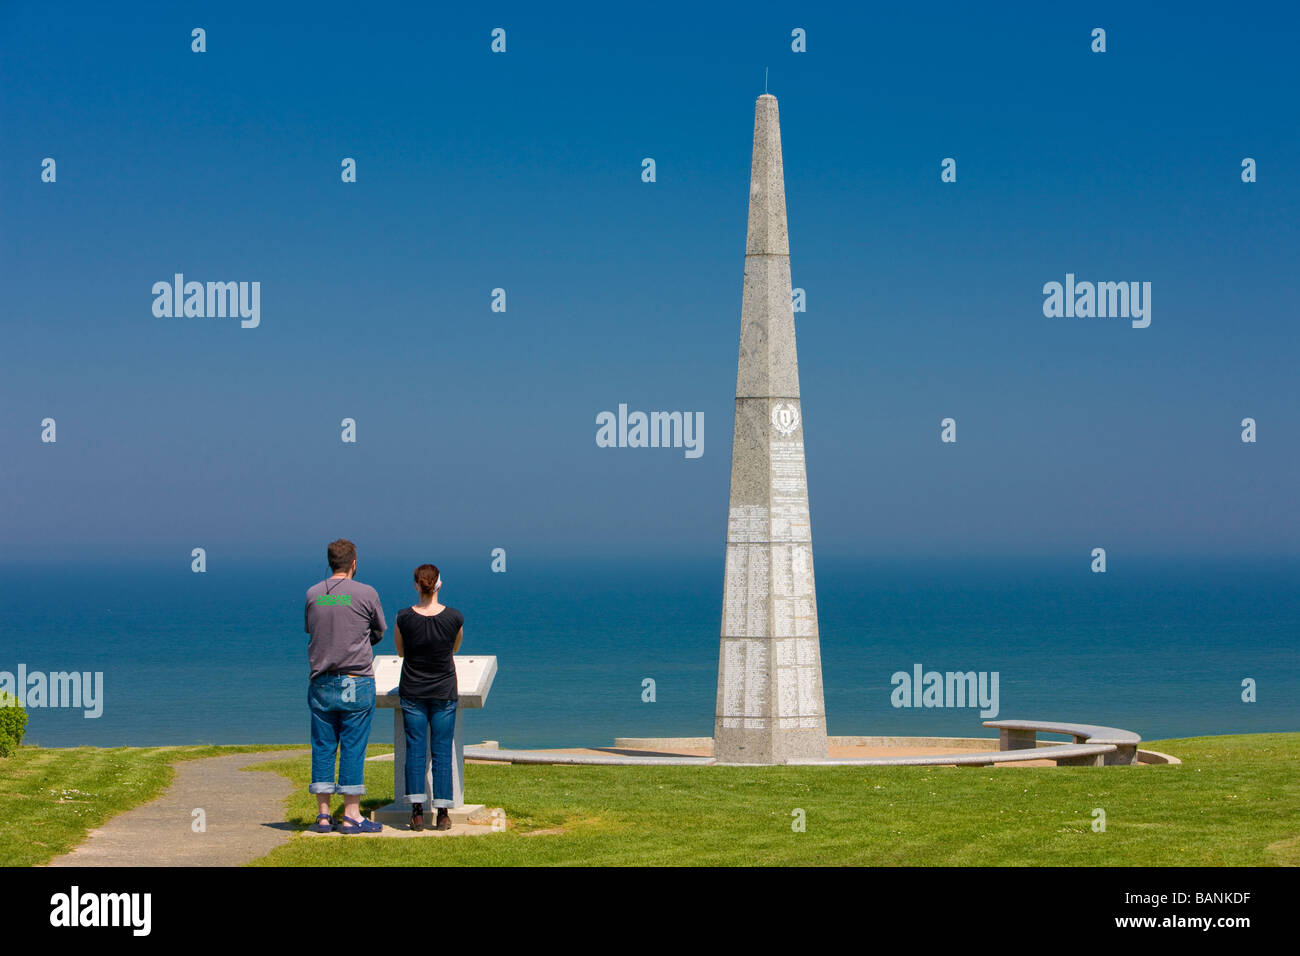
(594, 760)
(1065, 755)
(1023, 735)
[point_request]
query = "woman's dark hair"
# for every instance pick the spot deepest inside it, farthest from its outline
(426, 578)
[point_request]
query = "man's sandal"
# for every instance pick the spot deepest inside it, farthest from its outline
(347, 825)
(326, 827)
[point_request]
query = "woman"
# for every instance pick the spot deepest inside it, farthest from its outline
(427, 634)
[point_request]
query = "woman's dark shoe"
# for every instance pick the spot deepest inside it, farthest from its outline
(444, 820)
(417, 817)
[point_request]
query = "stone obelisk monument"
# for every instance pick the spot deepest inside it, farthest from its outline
(770, 704)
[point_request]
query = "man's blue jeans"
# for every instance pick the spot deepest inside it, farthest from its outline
(419, 716)
(341, 709)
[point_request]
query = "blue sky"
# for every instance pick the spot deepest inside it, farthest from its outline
(522, 170)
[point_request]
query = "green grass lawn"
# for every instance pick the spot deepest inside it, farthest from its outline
(51, 798)
(1234, 801)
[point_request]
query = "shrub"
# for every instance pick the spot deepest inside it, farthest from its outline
(13, 724)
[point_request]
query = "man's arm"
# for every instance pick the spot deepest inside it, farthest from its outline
(377, 623)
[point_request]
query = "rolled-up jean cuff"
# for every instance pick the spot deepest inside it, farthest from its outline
(415, 797)
(322, 788)
(443, 804)
(352, 789)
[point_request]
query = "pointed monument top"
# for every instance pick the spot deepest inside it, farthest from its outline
(767, 229)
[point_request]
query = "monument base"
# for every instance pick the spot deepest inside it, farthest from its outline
(398, 815)
(732, 745)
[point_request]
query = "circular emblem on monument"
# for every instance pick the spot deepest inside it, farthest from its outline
(785, 417)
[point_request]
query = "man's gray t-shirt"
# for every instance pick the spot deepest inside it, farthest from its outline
(344, 618)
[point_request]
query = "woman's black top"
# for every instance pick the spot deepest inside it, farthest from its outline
(428, 671)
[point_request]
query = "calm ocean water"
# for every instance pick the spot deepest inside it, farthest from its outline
(1160, 648)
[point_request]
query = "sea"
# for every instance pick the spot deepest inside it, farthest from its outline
(592, 650)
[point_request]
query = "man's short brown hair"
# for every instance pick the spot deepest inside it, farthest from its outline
(341, 554)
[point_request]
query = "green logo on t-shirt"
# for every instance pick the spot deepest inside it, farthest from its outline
(329, 600)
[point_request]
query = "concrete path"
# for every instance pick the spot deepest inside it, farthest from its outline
(244, 818)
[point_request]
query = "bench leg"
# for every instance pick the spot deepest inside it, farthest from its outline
(1125, 754)
(1092, 761)
(1017, 739)
(458, 764)
(399, 760)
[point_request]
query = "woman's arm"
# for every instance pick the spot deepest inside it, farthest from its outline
(397, 639)
(456, 646)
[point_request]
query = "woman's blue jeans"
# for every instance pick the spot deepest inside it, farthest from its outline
(341, 709)
(419, 717)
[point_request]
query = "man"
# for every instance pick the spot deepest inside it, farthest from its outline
(344, 619)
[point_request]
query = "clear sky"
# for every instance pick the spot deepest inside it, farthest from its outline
(522, 171)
